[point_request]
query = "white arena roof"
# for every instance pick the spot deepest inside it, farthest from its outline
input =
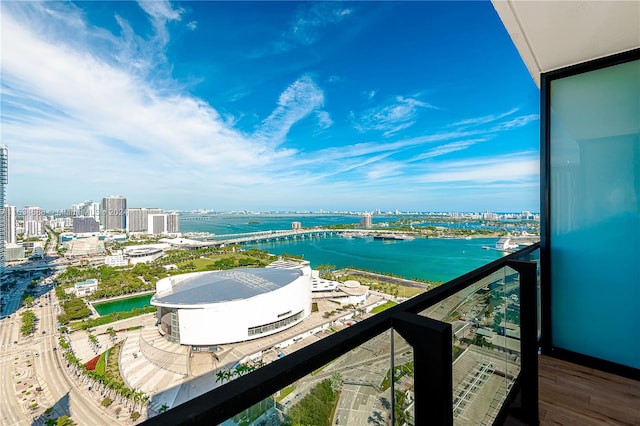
(223, 286)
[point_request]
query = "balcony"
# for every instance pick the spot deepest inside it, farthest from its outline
(463, 353)
(574, 394)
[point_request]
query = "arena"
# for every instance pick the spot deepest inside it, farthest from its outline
(206, 309)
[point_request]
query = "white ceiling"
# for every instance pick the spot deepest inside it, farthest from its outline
(554, 34)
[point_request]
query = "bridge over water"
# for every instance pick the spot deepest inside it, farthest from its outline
(266, 236)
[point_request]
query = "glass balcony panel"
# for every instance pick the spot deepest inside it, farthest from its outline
(353, 389)
(485, 321)
(403, 381)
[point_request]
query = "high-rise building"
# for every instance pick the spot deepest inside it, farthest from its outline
(113, 213)
(83, 224)
(366, 222)
(4, 179)
(32, 219)
(157, 224)
(173, 223)
(10, 224)
(138, 218)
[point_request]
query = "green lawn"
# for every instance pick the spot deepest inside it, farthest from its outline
(384, 307)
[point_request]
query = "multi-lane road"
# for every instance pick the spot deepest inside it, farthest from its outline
(34, 376)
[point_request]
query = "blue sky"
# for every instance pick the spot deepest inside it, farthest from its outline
(420, 106)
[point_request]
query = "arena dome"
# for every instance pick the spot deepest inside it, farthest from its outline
(219, 307)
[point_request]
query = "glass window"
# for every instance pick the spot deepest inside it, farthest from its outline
(594, 243)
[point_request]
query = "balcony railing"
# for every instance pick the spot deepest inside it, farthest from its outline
(463, 353)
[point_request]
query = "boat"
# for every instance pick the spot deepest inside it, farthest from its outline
(393, 237)
(505, 244)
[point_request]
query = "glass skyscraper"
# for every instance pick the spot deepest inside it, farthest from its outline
(4, 177)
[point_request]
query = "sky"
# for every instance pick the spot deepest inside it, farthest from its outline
(415, 106)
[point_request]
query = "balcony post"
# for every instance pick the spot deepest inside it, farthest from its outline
(528, 339)
(432, 367)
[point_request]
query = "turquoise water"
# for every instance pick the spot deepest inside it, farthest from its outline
(245, 223)
(429, 259)
(123, 305)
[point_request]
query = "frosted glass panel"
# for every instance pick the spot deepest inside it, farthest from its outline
(595, 213)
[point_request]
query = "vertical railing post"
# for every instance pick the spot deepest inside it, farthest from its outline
(392, 378)
(432, 367)
(528, 339)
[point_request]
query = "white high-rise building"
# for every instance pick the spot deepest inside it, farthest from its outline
(173, 223)
(138, 218)
(366, 222)
(113, 213)
(157, 224)
(93, 210)
(32, 220)
(4, 179)
(10, 224)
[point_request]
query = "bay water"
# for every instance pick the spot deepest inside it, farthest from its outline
(425, 258)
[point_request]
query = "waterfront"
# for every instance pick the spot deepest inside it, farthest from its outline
(245, 223)
(424, 258)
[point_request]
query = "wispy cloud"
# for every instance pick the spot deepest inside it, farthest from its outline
(160, 12)
(515, 122)
(311, 19)
(107, 110)
(448, 148)
(476, 121)
(370, 94)
(297, 101)
(324, 119)
(390, 118)
(514, 167)
(98, 115)
(307, 26)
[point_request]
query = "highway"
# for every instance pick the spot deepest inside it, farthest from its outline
(34, 376)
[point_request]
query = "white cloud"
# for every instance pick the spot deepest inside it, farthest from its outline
(324, 119)
(384, 170)
(389, 119)
(297, 101)
(484, 119)
(510, 167)
(160, 13)
(122, 133)
(311, 19)
(447, 149)
(515, 122)
(88, 112)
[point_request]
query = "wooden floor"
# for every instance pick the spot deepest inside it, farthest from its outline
(574, 395)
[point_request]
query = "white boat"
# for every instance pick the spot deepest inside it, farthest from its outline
(505, 244)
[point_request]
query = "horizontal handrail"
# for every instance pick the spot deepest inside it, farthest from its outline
(226, 401)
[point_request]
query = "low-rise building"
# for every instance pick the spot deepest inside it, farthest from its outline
(14, 252)
(84, 288)
(116, 258)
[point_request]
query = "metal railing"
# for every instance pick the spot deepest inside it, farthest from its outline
(438, 346)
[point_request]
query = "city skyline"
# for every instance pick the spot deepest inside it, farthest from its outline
(268, 106)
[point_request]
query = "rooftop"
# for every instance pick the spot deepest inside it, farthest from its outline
(224, 286)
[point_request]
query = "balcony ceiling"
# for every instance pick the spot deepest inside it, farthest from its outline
(555, 34)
